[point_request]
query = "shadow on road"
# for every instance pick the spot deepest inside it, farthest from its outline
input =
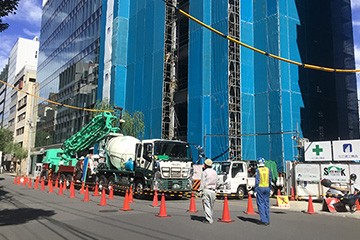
(2, 179)
(22, 215)
(197, 218)
(245, 219)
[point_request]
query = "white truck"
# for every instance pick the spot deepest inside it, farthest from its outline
(238, 178)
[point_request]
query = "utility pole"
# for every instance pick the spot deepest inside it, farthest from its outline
(30, 122)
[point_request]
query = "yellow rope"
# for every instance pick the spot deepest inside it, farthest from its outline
(56, 103)
(326, 69)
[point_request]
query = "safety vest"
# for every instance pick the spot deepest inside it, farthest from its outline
(264, 177)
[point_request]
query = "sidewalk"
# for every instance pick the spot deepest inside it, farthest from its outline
(302, 206)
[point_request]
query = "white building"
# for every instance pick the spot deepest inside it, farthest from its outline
(24, 53)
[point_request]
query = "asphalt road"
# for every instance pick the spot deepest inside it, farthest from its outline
(33, 214)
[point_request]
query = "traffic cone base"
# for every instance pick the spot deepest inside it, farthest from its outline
(126, 206)
(250, 208)
(192, 208)
(310, 207)
(36, 183)
(226, 215)
(162, 213)
(72, 190)
(42, 185)
(29, 185)
(15, 180)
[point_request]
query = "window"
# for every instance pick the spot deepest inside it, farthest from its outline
(20, 131)
(21, 117)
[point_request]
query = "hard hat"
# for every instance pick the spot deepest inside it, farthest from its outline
(82, 158)
(96, 156)
(101, 154)
(208, 162)
(261, 161)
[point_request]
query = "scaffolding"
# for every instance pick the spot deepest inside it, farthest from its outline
(170, 82)
(234, 81)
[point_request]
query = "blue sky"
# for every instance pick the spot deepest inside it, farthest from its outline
(26, 23)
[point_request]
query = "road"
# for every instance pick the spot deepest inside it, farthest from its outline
(26, 213)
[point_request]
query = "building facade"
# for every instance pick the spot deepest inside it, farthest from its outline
(68, 66)
(193, 84)
(3, 77)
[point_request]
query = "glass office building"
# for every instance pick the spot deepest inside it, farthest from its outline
(68, 66)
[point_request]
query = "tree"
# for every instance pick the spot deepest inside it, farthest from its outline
(134, 125)
(7, 7)
(6, 136)
(18, 152)
(42, 138)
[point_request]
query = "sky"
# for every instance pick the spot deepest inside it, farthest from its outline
(26, 23)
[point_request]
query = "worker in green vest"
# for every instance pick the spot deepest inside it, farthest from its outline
(262, 191)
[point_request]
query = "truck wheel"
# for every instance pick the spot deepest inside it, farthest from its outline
(139, 189)
(62, 178)
(103, 182)
(240, 192)
(68, 180)
(353, 208)
(44, 174)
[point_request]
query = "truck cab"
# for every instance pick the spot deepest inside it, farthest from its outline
(233, 178)
(167, 163)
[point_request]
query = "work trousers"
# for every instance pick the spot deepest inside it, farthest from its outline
(208, 200)
(262, 200)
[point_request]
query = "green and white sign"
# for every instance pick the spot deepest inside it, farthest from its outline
(335, 172)
(317, 151)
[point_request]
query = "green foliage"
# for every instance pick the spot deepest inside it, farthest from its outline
(16, 149)
(43, 138)
(6, 136)
(7, 7)
(134, 125)
(101, 105)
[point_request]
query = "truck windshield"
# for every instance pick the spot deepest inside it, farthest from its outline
(173, 150)
(221, 167)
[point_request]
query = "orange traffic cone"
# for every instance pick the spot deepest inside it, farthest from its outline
(126, 206)
(103, 198)
(131, 198)
(155, 200)
(60, 190)
(278, 194)
(72, 190)
(96, 192)
(82, 190)
(310, 206)
(111, 192)
(162, 212)
(357, 205)
(15, 180)
(292, 194)
(19, 180)
(51, 190)
(226, 215)
(42, 184)
(25, 181)
(250, 208)
(86, 196)
(56, 183)
(48, 185)
(64, 184)
(192, 204)
(36, 183)
(29, 185)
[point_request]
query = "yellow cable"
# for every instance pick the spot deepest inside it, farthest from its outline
(325, 69)
(56, 103)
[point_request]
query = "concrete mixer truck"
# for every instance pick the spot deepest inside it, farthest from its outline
(146, 165)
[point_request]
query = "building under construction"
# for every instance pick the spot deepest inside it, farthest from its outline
(195, 85)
